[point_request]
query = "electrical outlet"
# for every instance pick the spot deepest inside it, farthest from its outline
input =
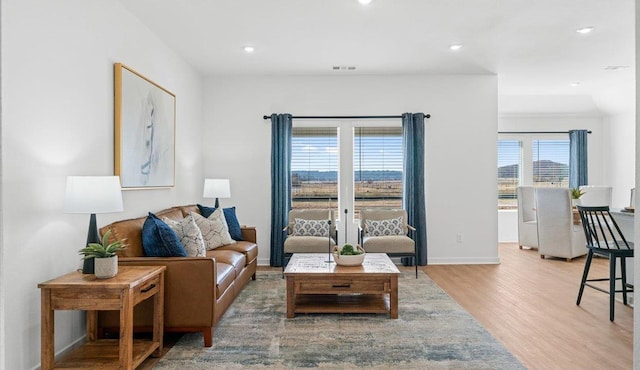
(458, 238)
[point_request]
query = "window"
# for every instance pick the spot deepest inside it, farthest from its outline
(509, 166)
(541, 160)
(377, 167)
(345, 165)
(551, 163)
(314, 167)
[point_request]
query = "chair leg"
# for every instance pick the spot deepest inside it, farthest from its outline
(623, 270)
(612, 286)
(416, 263)
(587, 265)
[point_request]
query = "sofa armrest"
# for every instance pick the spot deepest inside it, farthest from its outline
(249, 234)
(189, 288)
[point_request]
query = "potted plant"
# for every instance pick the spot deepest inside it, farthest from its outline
(348, 255)
(105, 256)
(576, 193)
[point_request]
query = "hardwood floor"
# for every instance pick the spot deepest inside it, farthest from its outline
(529, 304)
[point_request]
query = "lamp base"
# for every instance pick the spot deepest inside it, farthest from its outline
(92, 237)
(88, 266)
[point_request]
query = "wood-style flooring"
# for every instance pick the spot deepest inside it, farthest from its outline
(529, 305)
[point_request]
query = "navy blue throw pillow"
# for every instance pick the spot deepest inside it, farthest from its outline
(159, 240)
(230, 216)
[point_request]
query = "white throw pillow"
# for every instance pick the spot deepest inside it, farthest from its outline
(189, 234)
(392, 226)
(304, 227)
(214, 229)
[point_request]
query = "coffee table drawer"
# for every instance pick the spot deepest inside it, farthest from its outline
(313, 286)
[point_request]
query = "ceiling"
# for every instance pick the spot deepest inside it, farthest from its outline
(531, 45)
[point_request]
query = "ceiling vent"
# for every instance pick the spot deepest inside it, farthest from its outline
(615, 68)
(344, 68)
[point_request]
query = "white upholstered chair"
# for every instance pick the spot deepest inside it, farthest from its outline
(380, 232)
(308, 232)
(595, 196)
(527, 221)
(558, 235)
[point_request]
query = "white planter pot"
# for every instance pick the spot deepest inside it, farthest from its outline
(575, 202)
(106, 267)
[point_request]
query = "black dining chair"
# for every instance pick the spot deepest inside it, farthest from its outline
(604, 238)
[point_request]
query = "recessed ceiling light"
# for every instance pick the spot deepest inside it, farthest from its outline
(249, 49)
(364, 2)
(614, 68)
(584, 30)
(575, 84)
(455, 47)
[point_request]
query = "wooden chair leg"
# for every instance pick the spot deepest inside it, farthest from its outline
(520, 246)
(623, 270)
(587, 265)
(612, 286)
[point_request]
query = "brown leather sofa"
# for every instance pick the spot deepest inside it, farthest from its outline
(198, 290)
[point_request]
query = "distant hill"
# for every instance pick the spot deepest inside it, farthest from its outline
(332, 176)
(545, 169)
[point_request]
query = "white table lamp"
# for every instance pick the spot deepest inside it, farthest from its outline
(216, 188)
(92, 194)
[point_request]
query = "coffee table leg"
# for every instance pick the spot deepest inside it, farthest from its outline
(393, 298)
(291, 297)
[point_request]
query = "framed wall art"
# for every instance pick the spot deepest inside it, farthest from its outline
(144, 131)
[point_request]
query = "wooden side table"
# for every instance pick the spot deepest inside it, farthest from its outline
(77, 291)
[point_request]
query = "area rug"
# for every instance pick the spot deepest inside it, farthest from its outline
(432, 332)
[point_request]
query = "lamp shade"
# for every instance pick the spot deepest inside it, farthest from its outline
(93, 194)
(216, 188)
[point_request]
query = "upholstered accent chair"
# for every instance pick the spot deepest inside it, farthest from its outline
(385, 231)
(309, 231)
(558, 235)
(527, 220)
(595, 196)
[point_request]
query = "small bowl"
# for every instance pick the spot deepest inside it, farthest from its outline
(348, 260)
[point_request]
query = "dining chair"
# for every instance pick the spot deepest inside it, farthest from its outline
(527, 221)
(604, 238)
(558, 235)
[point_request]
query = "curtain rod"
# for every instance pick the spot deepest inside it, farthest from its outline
(343, 117)
(536, 132)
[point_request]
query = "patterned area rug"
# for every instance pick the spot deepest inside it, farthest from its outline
(432, 332)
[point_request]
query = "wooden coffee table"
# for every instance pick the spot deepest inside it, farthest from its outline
(315, 286)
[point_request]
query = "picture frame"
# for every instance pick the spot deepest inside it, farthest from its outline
(144, 115)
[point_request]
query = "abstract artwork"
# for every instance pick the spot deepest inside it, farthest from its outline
(144, 131)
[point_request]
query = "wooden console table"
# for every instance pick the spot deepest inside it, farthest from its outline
(77, 291)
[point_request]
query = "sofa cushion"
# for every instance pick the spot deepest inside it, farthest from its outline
(189, 234)
(214, 230)
(249, 249)
(230, 217)
(131, 230)
(226, 276)
(159, 240)
(233, 258)
(392, 226)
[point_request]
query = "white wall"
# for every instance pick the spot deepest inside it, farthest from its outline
(620, 141)
(460, 165)
(57, 120)
(598, 151)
